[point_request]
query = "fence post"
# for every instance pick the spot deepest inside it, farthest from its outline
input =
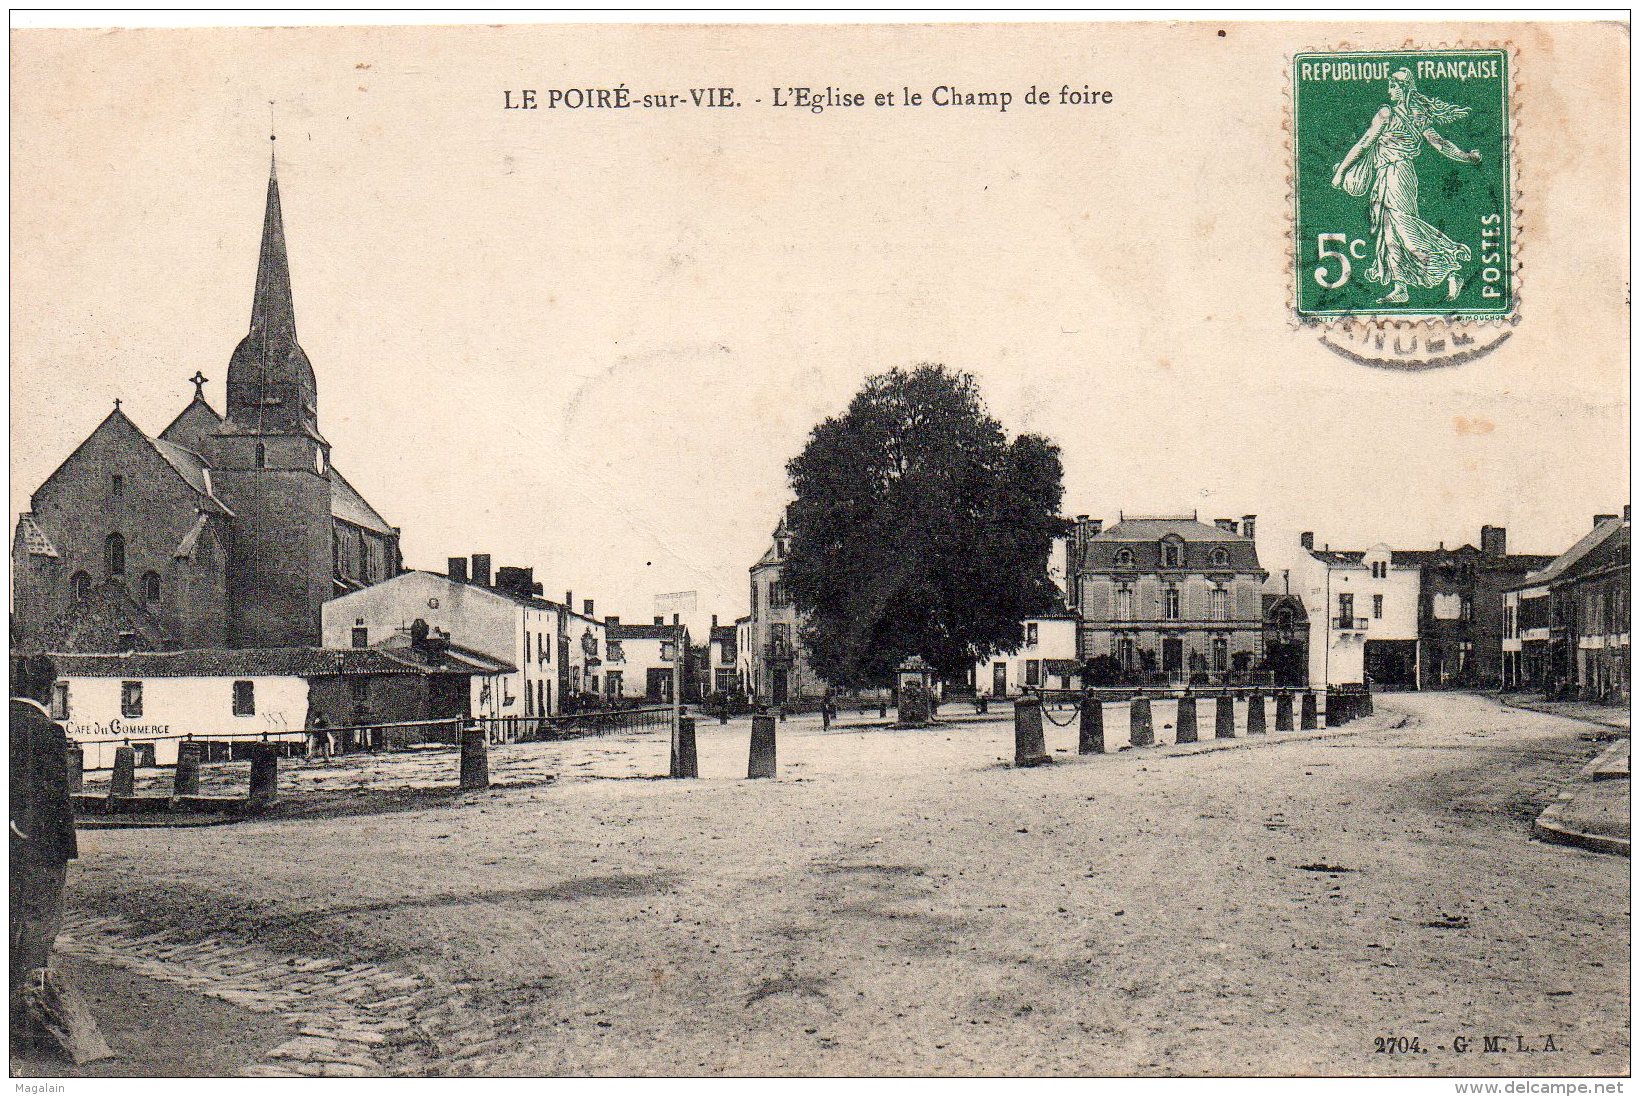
(475, 760)
(264, 772)
(762, 760)
(185, 781)
(1224, 716)
(685, 762)
(1030, 749)
(1306, 711)
(1186, 720)
(1090, 736)
(125, 773)
(75, 757)
(1335, 708)
(1255, 713)
(1284, 711)
(1140, 731)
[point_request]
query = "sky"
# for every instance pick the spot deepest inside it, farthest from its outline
(588, 341)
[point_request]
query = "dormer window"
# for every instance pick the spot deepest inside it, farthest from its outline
(1124, 558)
(1172, 554)
(1220, 558)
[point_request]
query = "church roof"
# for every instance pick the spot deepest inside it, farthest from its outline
(348, 505)
(34, 538)
(193, 425)
(192, 467)
(1142, 537)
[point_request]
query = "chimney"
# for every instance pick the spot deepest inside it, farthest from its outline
(569, 600)
(1599, 518)
(674, 619)
(1228, 525)
(536, 589)
(1494, 541)
(481, 568)
(586, 607)
(611, 621)
(1247, 526)
(660, 620)
(458, 568)
(515, 580)
(714, 620)
(1307, 540)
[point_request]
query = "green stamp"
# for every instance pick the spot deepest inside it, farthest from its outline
(1402, 199)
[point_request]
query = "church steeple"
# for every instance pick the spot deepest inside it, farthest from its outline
(271, 388)
(272, 310)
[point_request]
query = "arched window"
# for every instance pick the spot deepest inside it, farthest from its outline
(261, 456)
(1124, 558)
(114, 554)
(1220, 558)
(1172, 554)
(150, 588)
(80, 586)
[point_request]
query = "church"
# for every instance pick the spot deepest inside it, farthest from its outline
(223, 531)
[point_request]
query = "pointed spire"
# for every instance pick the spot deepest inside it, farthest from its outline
(273, 314)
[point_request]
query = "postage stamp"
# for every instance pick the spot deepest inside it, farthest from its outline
(1402, 186)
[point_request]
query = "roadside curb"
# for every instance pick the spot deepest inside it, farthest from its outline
(1550, 826)
(1506, 702)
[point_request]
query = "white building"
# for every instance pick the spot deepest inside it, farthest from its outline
(1363, 609)
(1047, 660)
(722, 661)
(641, 660)
(152, 701)
(557, 652)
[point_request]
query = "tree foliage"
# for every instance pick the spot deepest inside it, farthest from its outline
(919, 528)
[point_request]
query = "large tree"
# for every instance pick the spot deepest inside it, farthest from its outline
(919, 528)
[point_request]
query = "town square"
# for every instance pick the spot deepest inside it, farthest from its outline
(840, 590)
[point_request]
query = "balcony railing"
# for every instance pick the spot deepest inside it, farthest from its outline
(1355, 624)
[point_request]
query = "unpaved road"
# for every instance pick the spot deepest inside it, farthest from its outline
(900, 902)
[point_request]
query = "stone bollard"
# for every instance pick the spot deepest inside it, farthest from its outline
(75, 757)
(1186, 720)
(1224, 716)
(1140, 732)
(1255, 713)
(1284, 711)
(1306, 714)
(125, 773)
(1335, 709)
(1090, 732)
(264, 772)
(723, 715)
(782, 710)
(185, 781)
(685, 762)
(882, 710)
(1366, 704)
(475, 759)
(1030, 749)
(762, 761)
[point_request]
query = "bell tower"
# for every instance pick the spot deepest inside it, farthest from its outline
(272, 466)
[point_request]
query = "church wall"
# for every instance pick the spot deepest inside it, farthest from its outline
(78, 509)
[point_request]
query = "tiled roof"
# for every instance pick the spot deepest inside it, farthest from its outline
(348, 505)
(235, 663)
(1143, 536)
(34, 538)
(723, 633)
(1567, 561)
(644, 632)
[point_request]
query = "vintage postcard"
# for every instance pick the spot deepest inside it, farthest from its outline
(855, 547)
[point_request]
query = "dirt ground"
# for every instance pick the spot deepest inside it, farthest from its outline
(903, 902)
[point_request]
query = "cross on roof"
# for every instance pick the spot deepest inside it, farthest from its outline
(198, 380)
